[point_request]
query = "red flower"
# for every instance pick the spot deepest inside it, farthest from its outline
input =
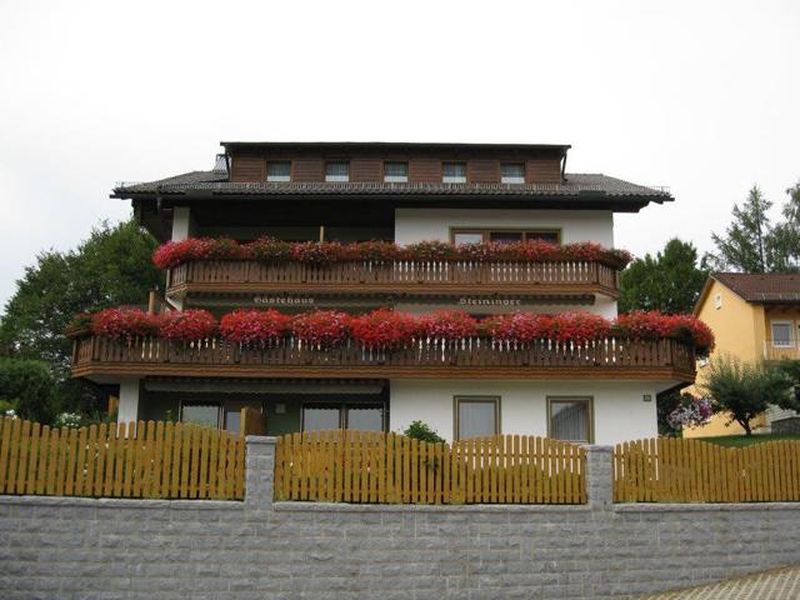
(448, 324)
(270, 250)
(578, 327)
(321, 328)
(246, 326)
(517, 327)
(429, 250)
(384, 329)
(124, 323)
(188, 325)
(317, 253)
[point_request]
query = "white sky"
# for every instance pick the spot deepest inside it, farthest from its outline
(700, 96)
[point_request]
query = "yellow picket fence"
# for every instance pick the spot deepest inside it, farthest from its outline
(690, 470)
(368, 467)
(137, 460)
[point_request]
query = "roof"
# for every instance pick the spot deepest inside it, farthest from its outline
(399, 146)
(215, 183)
(758, 288)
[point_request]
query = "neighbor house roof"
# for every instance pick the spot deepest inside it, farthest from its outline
(216, 183)
(757, 288)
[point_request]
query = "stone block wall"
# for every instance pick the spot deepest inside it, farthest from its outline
(83, 548)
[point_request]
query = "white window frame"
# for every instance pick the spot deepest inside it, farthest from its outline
(512, 179)
(395, 178)
(337, 178)
(454, 178)
(279, 178)
(790, 325)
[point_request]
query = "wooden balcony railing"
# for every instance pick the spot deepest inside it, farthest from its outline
(468, 358)
(781, 350)
(421, 277)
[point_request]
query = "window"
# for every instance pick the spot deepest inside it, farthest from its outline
(226, 415)
(337, 171)
(782, 334)
(512, 173)
(454, 172)
(327, 415)
(200, 414)
(476, 416)
(395, 172)
(570, 418)
(279, 171)
(504, 236)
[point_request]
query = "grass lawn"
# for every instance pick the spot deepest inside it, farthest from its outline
(743, 440)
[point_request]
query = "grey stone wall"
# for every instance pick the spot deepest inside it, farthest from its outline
(83, 548)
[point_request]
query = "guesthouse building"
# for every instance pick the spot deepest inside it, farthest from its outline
(485, 277)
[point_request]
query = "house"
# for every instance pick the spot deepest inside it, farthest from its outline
(457, 195)
(755, 318)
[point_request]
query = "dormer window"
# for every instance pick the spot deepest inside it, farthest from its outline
(337, 171)
(512, 173)
(395, 172)
(279, 171)
(454, 172)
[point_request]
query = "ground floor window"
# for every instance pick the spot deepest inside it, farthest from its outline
(570, 418)
(222, 414)
(356, 416)
(476, 416)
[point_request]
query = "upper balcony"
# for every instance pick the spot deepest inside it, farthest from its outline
(433, 269)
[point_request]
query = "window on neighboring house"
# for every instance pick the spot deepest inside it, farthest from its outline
(279, 171)
(476, 416)
(512, 173)
(782, 334)
(319, 416)
(337, 171)
(395, 172)
(504, 236)
(570, 418)
(454, 172)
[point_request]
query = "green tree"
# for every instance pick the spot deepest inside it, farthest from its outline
(670, 281)
(783, 245)
(744, 245)
(113, 266)
(745, 391)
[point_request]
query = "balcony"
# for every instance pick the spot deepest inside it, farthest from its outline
(101, 359)
(781, 351)
(413, 278)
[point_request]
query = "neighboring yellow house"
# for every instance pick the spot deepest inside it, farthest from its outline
(754, 318)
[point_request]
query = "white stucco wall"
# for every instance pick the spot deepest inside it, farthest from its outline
(183, 225)
(419, 224)
(620, 413)
(128, 410)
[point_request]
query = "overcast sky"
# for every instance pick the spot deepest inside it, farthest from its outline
(700, 96)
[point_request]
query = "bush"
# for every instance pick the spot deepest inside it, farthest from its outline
(28, 386)
(423, 432)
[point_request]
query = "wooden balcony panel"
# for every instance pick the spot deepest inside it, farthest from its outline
(470, 358)
(420, 277)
